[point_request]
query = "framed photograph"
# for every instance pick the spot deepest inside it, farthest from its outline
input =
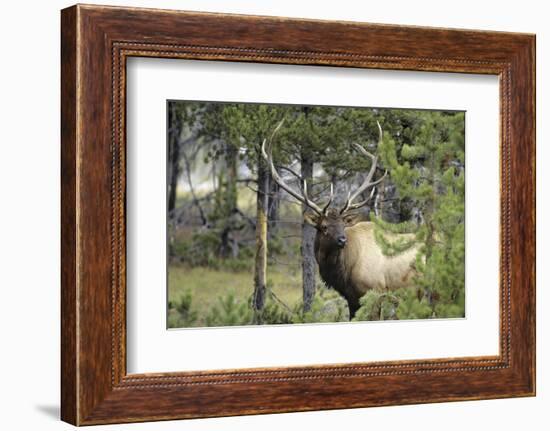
(264, 214)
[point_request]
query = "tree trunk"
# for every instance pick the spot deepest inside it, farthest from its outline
(308, 242)
(260, 267)
(232, 174)
(173, 166)
(196, 201)
(273, 208)
(229, 204)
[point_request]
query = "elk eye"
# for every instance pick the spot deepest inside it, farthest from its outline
(324, 229)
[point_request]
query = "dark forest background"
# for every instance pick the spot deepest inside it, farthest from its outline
(222, 200)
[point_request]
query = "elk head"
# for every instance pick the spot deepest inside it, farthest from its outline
(329, 222)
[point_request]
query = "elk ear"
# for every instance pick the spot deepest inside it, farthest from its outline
(311, 219)
(352, 219)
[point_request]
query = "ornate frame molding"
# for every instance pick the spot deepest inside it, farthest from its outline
(96, 41)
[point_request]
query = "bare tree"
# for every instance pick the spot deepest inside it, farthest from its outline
(174, 133)
(260, 267)
(308, 241)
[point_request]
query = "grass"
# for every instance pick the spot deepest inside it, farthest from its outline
(207, 285)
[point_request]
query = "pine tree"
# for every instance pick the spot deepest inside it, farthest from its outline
(428, 172)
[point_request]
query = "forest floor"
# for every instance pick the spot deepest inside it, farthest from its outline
(207, 285)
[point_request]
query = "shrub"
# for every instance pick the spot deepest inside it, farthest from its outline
(411, 306)
(202, 249)
(273, 313)
(327, 306)
(401, 304)
(180, 313)
(376, 305)
(229, 311)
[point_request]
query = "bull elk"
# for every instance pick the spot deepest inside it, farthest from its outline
(349, 258)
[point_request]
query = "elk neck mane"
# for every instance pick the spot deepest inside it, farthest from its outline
(334, 265)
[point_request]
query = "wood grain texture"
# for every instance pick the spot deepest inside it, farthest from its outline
(69, 397)
(96, 41)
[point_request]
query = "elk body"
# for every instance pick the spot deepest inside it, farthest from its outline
(351, 262)
(349, 258)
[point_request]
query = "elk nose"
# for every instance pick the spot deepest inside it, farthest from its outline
(341, 240)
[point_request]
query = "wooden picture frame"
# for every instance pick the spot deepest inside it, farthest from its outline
(95, 43)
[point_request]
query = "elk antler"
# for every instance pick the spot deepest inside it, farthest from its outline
(325, 208)
(367, 182)
(303, 197)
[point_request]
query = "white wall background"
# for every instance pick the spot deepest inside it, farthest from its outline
(29, 216)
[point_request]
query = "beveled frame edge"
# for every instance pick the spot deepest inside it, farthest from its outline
(96, 41)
